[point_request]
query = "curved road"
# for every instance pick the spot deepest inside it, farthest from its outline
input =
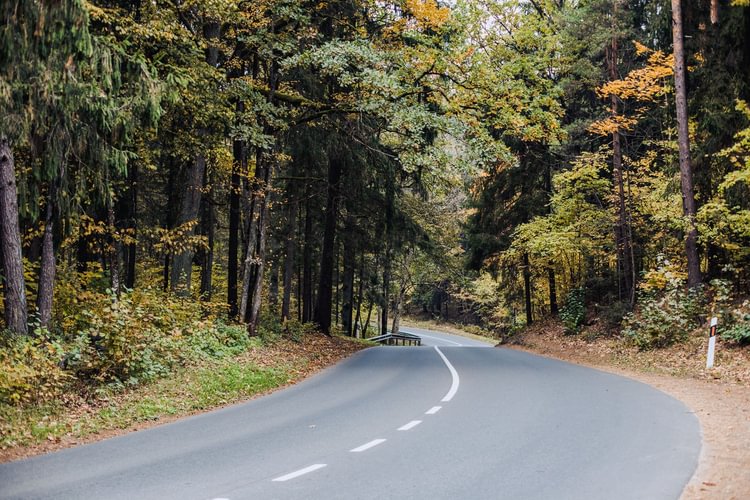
(454, 418)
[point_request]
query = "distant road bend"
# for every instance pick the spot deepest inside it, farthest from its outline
(451, 419)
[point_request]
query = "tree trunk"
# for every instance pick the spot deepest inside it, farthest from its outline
(169, 219)
(132, 225)
(386, 291)
(115, 281)
(307, 278)
(327, 257)
(46, 287)
(273, 285)
(300, 223)
(347, 285)
(258, 193)
(336, 284)
(252, 280)
(239, 167)
(254, 317)
(208, 230)
(553, 309)
(360, 295)
(397, 308)
(390, 194)
(623, 244)
(527, 288)
(714, 12)
(366, 325)
(182, 263)
(683, 142)
(289, 258)
(14, 285)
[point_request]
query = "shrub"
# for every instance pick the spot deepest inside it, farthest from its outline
(665, 318)
(734, 323)
(218, 340)
(573, 312)
(143, 335)
(738, 333)
(101, 339)
(613, 313)
(30, 370)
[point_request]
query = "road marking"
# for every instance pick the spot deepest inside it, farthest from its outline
(367, 446)
(410, 425)
(300, 472)
(441, 340)
(433, 410)
(454, 385)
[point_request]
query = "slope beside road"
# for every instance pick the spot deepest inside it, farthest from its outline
(450, 419)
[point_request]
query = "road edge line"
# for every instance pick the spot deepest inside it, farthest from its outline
(456, 381)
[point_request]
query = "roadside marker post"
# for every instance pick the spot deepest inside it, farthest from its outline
(711, 343)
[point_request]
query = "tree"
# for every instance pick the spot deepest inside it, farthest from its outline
(683, 141)
(14, 285)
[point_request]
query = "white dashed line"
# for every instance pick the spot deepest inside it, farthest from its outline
(410, 425)
(299, 473)
(367, 446)
(433, 410)
(454, 385)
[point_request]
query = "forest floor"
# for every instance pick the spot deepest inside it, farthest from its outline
(719, 397)
(75, 420)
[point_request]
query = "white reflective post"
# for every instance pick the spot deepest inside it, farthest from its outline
(712, 343)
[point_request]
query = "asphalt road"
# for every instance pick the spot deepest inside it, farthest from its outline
(453, 419)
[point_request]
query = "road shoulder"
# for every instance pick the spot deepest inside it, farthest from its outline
(723, 409)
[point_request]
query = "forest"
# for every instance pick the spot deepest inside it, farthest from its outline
(177, 177)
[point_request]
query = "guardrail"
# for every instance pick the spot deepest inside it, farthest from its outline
(395, 338)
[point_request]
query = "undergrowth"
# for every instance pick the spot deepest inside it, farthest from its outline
(110, 362)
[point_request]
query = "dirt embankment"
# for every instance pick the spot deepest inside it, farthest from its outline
(720, 397)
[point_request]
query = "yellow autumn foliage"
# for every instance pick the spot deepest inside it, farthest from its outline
(612, 124)
(427, 12)
(645, 84)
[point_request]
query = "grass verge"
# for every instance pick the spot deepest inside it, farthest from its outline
(75, 419)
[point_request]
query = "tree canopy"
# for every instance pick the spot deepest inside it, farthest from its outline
(283, 162)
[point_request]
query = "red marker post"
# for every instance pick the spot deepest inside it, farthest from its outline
(712, 343)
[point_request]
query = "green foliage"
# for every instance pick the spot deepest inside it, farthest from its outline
(30, 370)
(101, 339)
(144, 335)
(573, 312)
(734, 317)
(738, 333)
(725, 220)
(666, 317)
(613, 313)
